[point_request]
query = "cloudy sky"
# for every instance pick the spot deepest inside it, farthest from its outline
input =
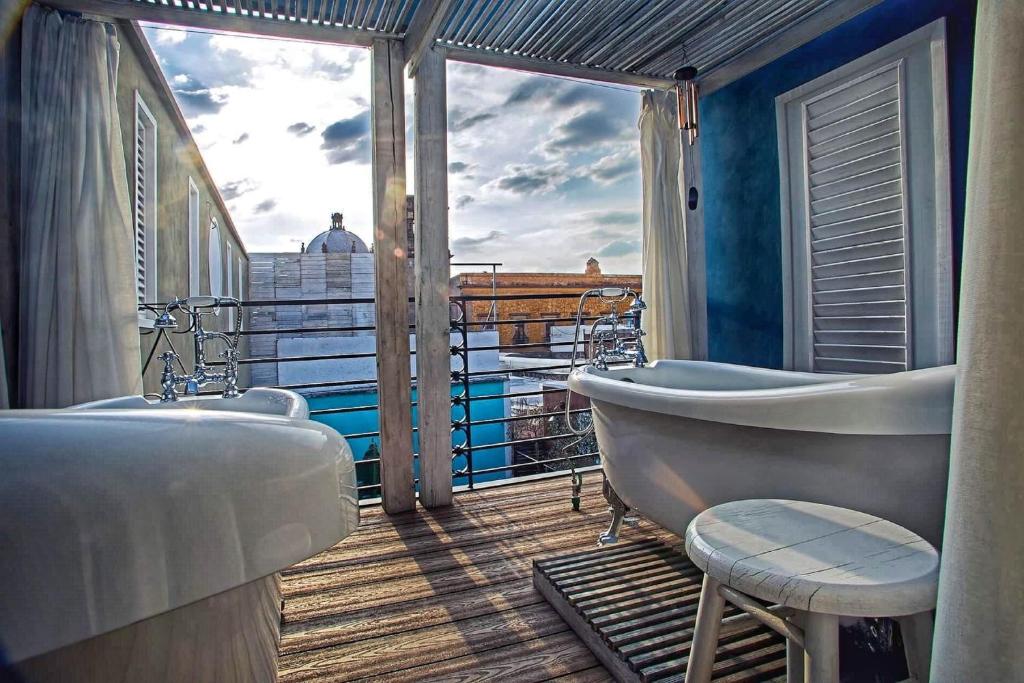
(543, 172)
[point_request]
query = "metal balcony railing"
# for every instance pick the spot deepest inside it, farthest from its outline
(548, 446)
(367, 468)
(519, 427)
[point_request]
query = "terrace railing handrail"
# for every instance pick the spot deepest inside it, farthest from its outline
(462, 324)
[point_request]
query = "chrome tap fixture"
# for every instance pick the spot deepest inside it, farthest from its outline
(202, 372)
(168, 379)
(615, 337)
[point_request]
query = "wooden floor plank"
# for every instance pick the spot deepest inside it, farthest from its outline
(432, 534)
(351, 598)
(447, 594)
(497, 532)
(597, 674)
(375, 656)
(483, 500)
(406, 616)
(529, 661)
(541, 541)
(428, 522)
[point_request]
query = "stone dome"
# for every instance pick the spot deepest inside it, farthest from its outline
(337, 240)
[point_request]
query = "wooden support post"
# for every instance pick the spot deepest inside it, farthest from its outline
(422, 31)
(433, 358)
(389, 246)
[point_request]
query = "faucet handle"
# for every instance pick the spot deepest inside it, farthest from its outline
(167, 378)
(230, 355)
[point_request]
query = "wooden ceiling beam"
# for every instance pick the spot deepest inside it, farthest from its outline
(423, 29)
(553, 68)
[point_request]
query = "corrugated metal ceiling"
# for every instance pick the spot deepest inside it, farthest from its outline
(645, 37)
(651, 37)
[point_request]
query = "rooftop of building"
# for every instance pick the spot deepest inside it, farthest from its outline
(337, 240)
(592, 275)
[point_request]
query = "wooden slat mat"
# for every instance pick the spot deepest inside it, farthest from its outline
(634, 605)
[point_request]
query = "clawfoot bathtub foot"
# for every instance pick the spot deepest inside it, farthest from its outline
(618, 510)
(612, 535)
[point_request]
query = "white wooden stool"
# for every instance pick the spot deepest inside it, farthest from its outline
(817, 562)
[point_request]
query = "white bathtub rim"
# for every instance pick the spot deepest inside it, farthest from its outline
(917, 402)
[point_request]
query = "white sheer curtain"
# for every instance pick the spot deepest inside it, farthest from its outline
(979, 627)
(665, 284)
(79, 325)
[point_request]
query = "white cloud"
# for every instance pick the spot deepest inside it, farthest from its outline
(620, 248)
(529, 179)
(476, 244)
(171, 36)
(615, 167)
(285, 84)
(540, 183)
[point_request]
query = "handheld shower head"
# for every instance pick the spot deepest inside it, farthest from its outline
(202, 301)
(165, 321)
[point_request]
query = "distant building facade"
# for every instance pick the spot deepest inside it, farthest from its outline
(336, 264)
(536, 310)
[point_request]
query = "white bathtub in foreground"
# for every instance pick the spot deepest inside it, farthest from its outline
(677, 437)
(143, 544)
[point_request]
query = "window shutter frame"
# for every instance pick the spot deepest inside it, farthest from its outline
(925, 210)
(194, 241)
(145, 207)
(871, 115)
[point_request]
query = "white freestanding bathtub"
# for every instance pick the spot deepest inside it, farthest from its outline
(677, 437)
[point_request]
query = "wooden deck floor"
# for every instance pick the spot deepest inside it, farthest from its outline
(446, 595)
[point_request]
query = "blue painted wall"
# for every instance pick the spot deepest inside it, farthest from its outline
(362, 421)
(740, 166)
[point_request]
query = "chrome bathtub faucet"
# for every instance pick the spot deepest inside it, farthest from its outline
(202, 373)
(609, 345)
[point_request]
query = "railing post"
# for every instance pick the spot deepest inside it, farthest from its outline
(460, 376)
(466, 394)
(389, 246)
(433, 357)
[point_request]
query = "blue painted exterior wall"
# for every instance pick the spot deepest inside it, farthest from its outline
(362, 421)
(740, 166)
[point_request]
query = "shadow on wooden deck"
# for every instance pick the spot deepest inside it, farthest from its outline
(446, 594)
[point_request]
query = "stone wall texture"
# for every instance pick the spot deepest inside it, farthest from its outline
(566, 286)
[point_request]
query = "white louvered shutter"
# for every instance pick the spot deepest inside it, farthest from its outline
(141, 194)
(144, 170)
(855, 183)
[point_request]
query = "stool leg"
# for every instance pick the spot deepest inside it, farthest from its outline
(705, 633)
(795, 653)
(821, 648)
(917, 642)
